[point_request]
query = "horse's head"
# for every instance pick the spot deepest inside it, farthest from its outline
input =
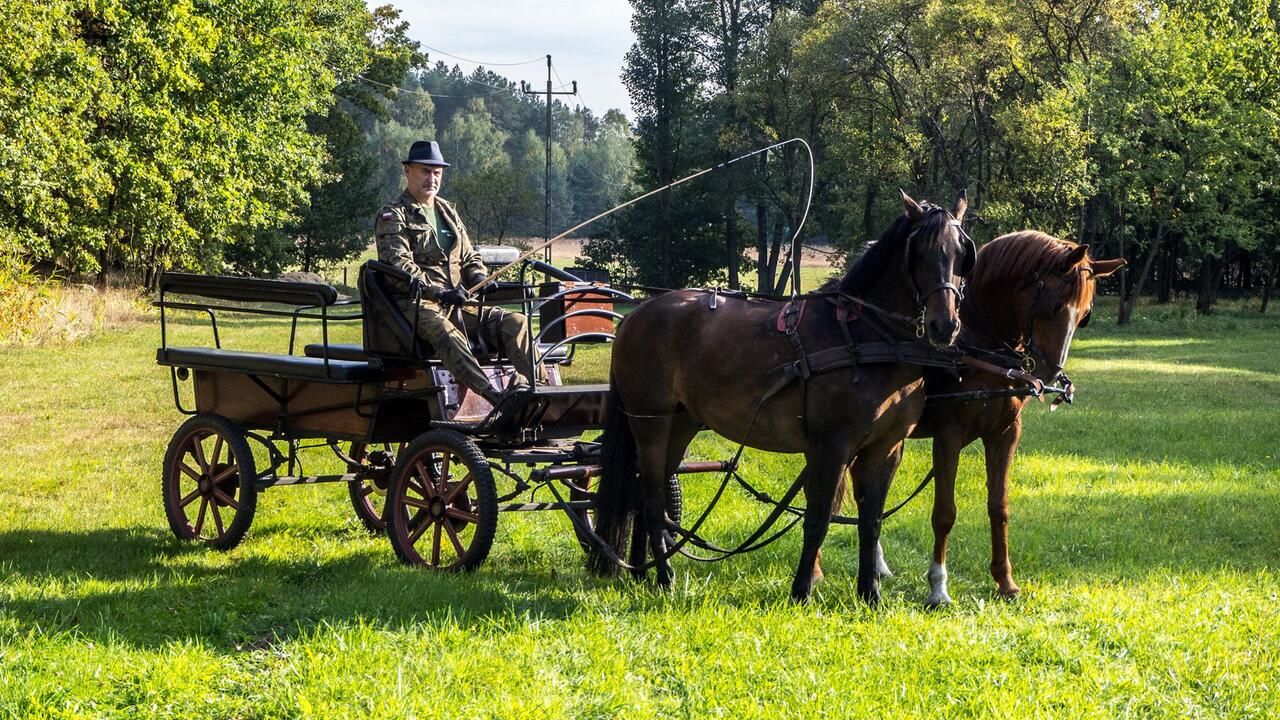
(939, 256)
(1038, 290)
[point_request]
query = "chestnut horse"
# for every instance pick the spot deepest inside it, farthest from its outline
(1028, 295)
(689, 360)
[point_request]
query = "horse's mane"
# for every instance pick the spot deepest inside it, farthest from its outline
(1011, 261)
(882, 253)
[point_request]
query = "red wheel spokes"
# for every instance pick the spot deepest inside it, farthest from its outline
(421, 505)
(453, 536)
(453, 492)
(462, 515)
(435, 547)
(445, 458)
(226, 499)
(217, 451)
(197, 449)
(204, 503)
(226, 473)
(187, 500)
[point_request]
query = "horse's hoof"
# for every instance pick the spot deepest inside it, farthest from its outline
(818, 575)
(1008, 593)
(937, 602)
(870, 596)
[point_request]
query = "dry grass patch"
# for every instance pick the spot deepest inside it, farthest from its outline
(35, 312)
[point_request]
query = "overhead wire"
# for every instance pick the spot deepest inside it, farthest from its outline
(482, 62)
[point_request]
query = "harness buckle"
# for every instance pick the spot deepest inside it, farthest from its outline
(920, 325)
(1028, 364)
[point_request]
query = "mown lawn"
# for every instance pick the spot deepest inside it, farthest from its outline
(1144, 537)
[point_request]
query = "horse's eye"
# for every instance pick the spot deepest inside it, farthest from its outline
(1084, 321)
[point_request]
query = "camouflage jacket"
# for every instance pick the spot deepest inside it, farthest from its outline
(407, 241)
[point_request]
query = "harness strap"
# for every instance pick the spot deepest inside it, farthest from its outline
(1010, 373)
(870, 353)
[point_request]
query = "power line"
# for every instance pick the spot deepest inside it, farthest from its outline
(480, 62)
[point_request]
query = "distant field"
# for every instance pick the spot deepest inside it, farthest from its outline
(1144, 536)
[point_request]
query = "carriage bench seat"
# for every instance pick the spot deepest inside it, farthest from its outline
(281, 366)
(344, 351)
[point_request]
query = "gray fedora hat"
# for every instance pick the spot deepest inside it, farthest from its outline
(426, 152)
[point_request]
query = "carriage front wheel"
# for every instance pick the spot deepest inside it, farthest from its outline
(208, 485)
(442, 505)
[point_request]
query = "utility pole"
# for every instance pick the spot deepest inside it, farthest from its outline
(546, 188)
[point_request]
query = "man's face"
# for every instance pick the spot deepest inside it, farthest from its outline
(423, 181)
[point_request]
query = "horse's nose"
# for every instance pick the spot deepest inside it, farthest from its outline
(944, 331)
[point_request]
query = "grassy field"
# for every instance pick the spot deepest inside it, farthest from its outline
(1144, 536)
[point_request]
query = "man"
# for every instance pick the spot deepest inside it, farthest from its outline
(421, 234)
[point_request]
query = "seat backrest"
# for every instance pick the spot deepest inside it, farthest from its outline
(388, 333)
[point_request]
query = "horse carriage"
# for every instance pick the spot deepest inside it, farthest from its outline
(841, 376)
(419, 462)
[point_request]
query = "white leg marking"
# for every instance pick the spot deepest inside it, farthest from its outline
(937, 586)
(882, 568)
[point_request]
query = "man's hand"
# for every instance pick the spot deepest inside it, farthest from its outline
(454, 296)
(484, 287)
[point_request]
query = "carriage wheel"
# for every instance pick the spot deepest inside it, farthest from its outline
(442, 506)
(369, 491)
(208, 485)
(675, 509)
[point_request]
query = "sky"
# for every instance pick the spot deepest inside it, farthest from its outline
(586, 39)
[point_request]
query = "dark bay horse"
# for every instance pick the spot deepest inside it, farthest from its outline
(687, 360)
(1028, 295)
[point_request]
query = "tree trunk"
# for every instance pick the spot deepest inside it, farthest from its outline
(1168, 267)
(1269, 284)
(868, 214)
(1210, 276)
(731, 242)
(775, 249)
(764, 271)
(1129, 302)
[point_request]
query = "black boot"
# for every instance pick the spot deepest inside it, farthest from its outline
(506, 407)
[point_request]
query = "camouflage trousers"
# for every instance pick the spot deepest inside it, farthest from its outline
(497, 328)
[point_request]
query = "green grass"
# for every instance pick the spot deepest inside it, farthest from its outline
(1144, 536)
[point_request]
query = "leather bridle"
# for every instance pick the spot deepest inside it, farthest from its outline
(922, 299)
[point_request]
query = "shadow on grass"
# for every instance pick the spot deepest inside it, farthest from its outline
(147, 589)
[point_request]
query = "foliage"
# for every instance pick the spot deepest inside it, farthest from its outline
(143, 135)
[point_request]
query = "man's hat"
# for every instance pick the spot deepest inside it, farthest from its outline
(426, 152)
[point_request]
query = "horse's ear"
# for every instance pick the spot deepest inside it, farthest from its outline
(1073, 258)
(970, 257)
(962, 204)
(911, 206)
(1103, 268)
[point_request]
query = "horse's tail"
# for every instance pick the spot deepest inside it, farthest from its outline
(616, 501)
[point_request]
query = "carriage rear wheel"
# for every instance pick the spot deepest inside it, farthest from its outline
(675, 508)
(208, 485)
(442, 505)
(369, 490)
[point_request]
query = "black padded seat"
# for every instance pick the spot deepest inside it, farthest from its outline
(337, 351)
(282, 366)
(342, 351)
